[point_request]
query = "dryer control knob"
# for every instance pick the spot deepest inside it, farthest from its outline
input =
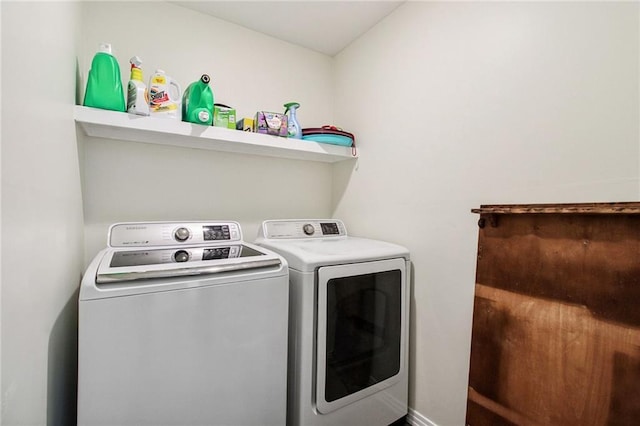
(181, 256)
(182, 234)
(308, 229)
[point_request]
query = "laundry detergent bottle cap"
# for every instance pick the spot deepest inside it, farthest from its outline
(294, 130)
(197, 102)
(164, 96)
(137, 94)
(104, 85)
(105, 48)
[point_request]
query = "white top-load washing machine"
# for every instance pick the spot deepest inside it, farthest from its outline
(182, 324)
(348, 324)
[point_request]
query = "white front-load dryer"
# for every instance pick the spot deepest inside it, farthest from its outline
(182, 324)
(348, 324)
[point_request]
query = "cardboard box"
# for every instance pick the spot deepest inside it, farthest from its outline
(271, 123)
(224, 116)
(246, 125)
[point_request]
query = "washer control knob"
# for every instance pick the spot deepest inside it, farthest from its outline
(182, 234)
(308, 229)
(181, 256)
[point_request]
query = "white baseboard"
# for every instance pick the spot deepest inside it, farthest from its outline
(416, 419)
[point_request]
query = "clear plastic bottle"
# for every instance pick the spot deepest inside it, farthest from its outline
(104, 85)
(293, 127)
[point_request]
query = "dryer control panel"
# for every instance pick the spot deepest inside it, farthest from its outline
(316, 228)
(156, 234)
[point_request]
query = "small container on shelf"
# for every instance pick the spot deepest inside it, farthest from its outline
(246, 125)
(271, 123)
(224, 116)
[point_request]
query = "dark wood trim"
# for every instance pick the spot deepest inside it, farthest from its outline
(631, 207)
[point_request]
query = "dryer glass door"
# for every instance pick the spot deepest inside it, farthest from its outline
(361, 330)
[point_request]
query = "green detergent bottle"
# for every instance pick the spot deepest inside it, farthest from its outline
(197, 102)
(104, 86)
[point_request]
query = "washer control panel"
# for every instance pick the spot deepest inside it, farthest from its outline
(316, 228)
(157, 234)
(159, 256)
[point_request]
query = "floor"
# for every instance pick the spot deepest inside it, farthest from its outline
(400, 422)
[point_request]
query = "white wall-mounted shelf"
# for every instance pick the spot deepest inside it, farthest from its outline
(129, 127)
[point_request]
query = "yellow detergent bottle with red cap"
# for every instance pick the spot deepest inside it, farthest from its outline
(164, 96)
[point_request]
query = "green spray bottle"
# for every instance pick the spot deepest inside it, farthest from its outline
(104, 86)
(197, 102)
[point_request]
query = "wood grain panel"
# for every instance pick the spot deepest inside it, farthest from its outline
(585, 260)
(556, 323)
(550, 362)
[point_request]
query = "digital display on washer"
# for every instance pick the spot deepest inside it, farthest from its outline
(223, 252)
(216, 232)
(158, 257)
(215, 253)
(330, 228)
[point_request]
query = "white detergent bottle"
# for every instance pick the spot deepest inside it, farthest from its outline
(137, 94)
(164, 96)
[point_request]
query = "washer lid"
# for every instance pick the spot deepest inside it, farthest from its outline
(119, 265)
(308, 254)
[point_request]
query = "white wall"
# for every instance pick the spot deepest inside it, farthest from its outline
(125, 181)
(458, 104)
(453, 104)
(42, 241)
